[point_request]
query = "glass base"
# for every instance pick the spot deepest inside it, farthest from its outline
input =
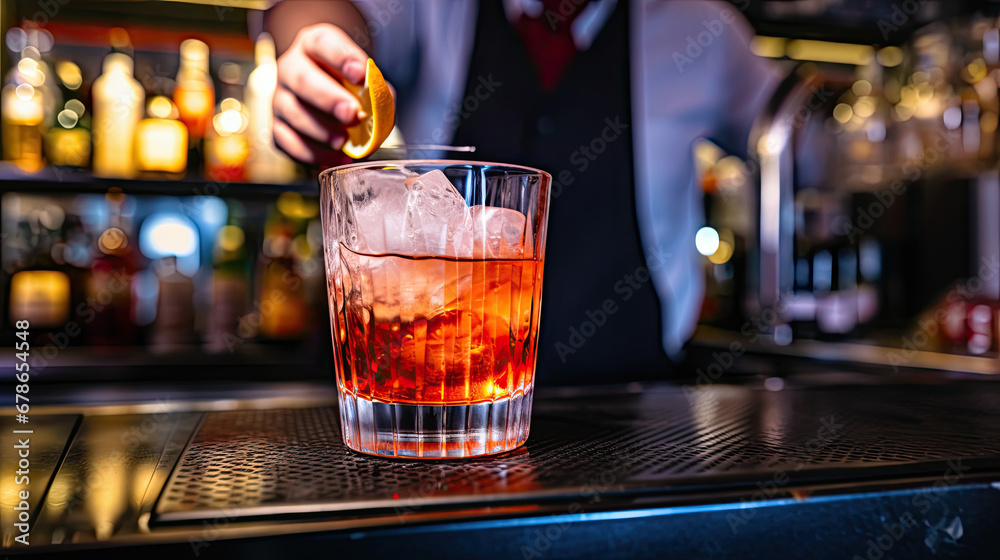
(435, 431)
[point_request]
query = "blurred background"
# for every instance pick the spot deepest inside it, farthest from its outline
(169, 261)
(148, 220)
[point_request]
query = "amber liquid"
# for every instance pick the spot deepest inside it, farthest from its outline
(432, 330)
(23, 146)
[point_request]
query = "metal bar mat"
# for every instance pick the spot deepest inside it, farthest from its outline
(292, 461)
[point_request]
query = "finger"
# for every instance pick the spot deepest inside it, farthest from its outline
(333, 49)
(305, 150)
(308, 121)
(316, 87)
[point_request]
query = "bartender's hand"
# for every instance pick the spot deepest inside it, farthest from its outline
(311, 107)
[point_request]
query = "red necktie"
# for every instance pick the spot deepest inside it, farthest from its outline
(549, 39)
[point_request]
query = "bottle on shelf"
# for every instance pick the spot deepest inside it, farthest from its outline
(118, 104)
(226, 146)
(194, 93)
(22, 110)
(39, 290)
(175, 317)
(110, 285)
(231, 82)
(68, 141)
(161, 141)
(284, 309)
(267, 164)
(230, 289)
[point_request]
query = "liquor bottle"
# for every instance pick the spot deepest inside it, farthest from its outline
(194, 93)
(230, 289)
(110, 287)
(226, 147)
(266, 164)
(284, 310)
(22, 110)
(72, 254)
(68, 141)
(231, 83)
(161, 141)
(39, 291)
(118, 104)
(174, 324)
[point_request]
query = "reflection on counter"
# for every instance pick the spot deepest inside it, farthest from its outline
(101, 487)
(51, 434)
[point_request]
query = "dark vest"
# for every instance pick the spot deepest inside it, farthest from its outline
(600, 323)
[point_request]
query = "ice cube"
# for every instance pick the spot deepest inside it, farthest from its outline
(394, 220)
(437, 221)
(425, 215)
(380, 211)
(499, 233)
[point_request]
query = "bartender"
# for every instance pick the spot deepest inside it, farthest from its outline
(606, 95)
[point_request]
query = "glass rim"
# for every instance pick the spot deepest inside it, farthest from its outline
(441, 162)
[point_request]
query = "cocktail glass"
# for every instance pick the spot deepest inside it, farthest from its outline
(434, 276)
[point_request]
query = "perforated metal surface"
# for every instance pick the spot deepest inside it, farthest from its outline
(247, 463)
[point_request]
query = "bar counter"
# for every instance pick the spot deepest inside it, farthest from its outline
(843, 471)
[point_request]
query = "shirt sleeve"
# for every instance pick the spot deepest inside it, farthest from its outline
(693, 77)
(392, 30)
(423, 48)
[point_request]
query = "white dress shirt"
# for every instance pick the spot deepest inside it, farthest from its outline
(693, 77)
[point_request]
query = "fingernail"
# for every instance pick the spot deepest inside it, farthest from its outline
(347, 111)
(362, 115)
(355, 71)
(338, 142)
